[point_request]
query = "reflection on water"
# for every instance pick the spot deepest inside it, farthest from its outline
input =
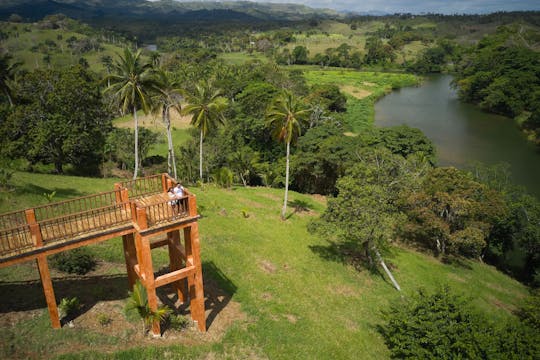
(461, 132)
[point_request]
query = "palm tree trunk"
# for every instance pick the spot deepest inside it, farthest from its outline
(171, 159)
(200, 156)
(136, 171)
(284, 210)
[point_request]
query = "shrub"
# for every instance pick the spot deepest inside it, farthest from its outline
(68, 307)
(104, 319)
(178, 322)
(442, 326)
(137, 305)
(5, 177)
(78, 261)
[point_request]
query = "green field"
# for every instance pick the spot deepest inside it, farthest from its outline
(29, 45)
(298, 299)
(362, 90)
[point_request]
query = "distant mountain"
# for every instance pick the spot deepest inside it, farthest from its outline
(164, 10)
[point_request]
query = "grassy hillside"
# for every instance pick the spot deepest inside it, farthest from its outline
(296, 298)
(36, 45)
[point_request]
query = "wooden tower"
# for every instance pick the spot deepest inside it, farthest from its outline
(140, 212)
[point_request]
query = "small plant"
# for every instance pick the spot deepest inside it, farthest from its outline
(5, 177)
(178, 322)
(104, 319)
(49, 196)
(138, 303)
(68, 307)
(77, 261)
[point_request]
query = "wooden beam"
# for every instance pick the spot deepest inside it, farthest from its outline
(176, 256)
(130, 255)
(195, 282)
(48, 290)
(147, 272)
(48, 250)
(174, 276)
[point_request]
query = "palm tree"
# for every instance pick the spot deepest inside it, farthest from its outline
(131, 82)
(207, 106)
(285, 117)
(7, 74)
(168, 96)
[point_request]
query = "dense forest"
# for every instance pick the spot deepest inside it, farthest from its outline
(266, 109)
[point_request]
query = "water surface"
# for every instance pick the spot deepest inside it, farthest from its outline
(461, 132)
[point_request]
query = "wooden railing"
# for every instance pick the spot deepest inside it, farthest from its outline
(15, 240)
(21, 231)
(78, 205)
(143, 201)
(143, 186)
(162, 211)
(70, 226)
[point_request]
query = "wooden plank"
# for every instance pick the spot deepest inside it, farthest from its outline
(174, 276)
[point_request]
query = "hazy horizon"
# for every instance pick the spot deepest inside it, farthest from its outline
(410, 6)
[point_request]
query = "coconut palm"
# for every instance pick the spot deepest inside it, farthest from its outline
(167, 97)
(131, 82)
(207, 107)
(285, 117)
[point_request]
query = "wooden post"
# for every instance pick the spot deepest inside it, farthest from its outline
(144, 255)
(192, 205)
(164, 182)
(130, 254)
(175, 263)
(48, 290)
(43, 267)
(148, 270)
(195, 282)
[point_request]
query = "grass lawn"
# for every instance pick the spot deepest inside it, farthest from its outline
(297, 299)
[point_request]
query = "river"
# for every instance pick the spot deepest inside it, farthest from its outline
(461, 132)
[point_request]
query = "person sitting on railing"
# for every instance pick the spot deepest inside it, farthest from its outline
(179, 194)
(172, 197)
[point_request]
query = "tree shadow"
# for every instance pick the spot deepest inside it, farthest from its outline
(218, 291)
(348, 254)
(299, 206)
(33, 189)
(28, 295)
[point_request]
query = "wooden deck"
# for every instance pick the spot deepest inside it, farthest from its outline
(57, 226)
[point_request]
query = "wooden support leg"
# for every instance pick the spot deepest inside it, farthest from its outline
(175, 263)
(130, 255)
(147, 269)
(48, 290)
(195, 282)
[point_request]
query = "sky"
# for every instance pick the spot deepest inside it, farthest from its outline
(418, 6)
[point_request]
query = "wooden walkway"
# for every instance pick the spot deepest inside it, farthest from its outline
(137, 210)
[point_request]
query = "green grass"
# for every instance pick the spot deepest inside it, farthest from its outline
(301, 300)
(30, 35)
(239, 58)
(360, 112)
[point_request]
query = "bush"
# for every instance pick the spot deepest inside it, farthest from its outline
(78, 261)
(178, 322)
(68, 307)
(442, 326)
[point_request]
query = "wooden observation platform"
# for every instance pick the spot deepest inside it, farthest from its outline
(140, 212)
